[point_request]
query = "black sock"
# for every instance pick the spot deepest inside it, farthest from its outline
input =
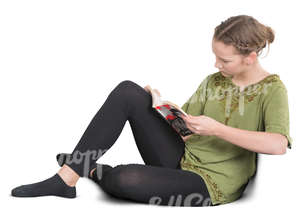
(97, 174)
(51, 186)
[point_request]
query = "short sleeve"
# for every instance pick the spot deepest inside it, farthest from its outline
(276, 113)
(195, 104)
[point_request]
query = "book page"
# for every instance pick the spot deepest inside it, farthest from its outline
(157, 101)
(172, 115)
(170, 112)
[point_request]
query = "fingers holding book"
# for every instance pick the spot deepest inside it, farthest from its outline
(148, 89)
(202, 125)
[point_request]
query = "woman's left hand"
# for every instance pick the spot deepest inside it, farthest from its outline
(202, 125)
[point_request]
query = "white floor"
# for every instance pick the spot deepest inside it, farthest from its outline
(271, 196)
(60, 59)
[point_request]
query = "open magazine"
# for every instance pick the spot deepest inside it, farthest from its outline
(169, 112)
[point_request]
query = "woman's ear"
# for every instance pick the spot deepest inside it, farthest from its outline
(251, 58)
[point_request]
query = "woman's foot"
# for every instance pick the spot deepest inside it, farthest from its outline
(54, 185)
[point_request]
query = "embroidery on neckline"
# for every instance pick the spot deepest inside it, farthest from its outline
(236, 98)
(251, 85)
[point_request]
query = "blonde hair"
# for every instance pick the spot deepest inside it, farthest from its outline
(245, 33)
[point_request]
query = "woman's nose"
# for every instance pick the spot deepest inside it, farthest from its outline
(217, 65)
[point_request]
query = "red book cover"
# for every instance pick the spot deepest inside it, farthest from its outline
(170, 112)
(172, 116)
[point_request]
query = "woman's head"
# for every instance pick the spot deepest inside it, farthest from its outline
(238, 41)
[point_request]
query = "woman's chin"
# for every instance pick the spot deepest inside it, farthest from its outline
(224, 74)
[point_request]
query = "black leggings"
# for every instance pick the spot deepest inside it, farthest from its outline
(161, 181)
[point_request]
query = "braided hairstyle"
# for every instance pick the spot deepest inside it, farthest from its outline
(245, 33)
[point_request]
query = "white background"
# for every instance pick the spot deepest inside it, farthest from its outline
(59, 60)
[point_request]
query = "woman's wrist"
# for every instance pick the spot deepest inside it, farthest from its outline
(219, 131)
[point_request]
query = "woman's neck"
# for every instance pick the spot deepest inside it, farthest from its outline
(250, 76)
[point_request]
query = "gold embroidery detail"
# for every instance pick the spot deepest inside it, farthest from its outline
(226, 120)
(217, 78)
(250, 98)
(236, 94)
(217, 193)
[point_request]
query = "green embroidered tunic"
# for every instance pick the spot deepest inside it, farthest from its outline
(226, 167)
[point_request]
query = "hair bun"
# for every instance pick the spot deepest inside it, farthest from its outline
(271, 35)
(245, 33)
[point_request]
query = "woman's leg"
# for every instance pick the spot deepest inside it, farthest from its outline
(155, 185)
(157, 142)
(161, 180)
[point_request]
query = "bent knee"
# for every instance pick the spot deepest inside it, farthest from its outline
(127, 83)
(129, 89)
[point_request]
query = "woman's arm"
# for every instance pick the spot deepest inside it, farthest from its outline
(260, 142)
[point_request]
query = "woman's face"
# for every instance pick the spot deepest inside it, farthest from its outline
(228, 61)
